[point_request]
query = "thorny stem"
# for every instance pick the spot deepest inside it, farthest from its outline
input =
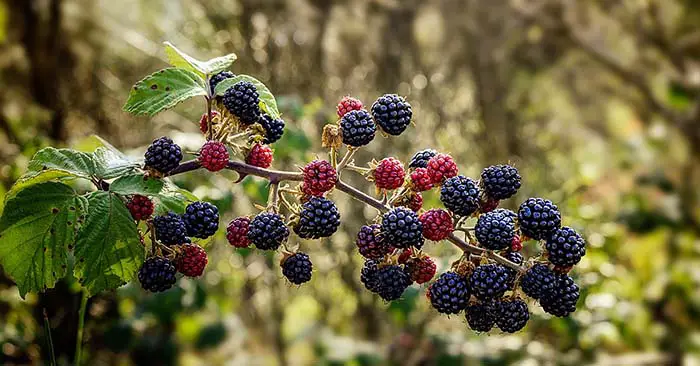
(276, 176)
(346, 159)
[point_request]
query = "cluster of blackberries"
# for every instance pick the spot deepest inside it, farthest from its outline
(390, 112)
(200, 220)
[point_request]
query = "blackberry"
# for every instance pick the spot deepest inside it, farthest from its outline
(297, 268)
(489, 281)
(565, 247)
(157, 274)
(140, 207)
(163, 155)
(561, 301)
(201, 219)
(538, 281)
(357, 128)
(421, 269)
(392, 113)
(495, 230)
(512, 314)
(500, 181)
(348, 104)
(191, 260)
(538, 218)
(441, 167)
(450, 293)
(170, 229)
(460, 195)
(420, 159)
(369, 242)
(242, 101)
(217, 78)
(274, 128)
(237, 232)
(402, 228)
(213, 156)
(319, 177)
(267, 231)
(392, 282)
(319, 218)
(437, 224)
(420, 180)
(412, 200)
(480, 316)
(368, 276)
(389, 174)
(260, 155)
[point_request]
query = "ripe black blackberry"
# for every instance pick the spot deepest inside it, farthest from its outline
(495, 230)
(357, 128)
(500, 181)
(449, 294)
(420, 159)
(157, 274)
(267, 231)
(392, 282)
(561, 301)
(274, 128)
(170, 229)
(402, 228)
(369, 242)
(489, 281)
(217, 78)
(392, 113)
(460, 195)
(242, 101)
(512, 314)
(297, 268)
(480, 316)
(565, 247)
(201, 219)
(538, 218)
(538, 281)
(163, 155)
(319, 218)
(368, 276)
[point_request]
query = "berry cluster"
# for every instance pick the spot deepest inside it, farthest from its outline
(488, 282)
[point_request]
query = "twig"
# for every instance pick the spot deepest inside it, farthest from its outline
(47, 327)
(81, 328)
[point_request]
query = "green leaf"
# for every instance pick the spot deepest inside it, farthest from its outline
(172, 198)
(75, 163)
(180, 59)
(37, 228)
(108, 250)
(113, 163)
(31, 178)
(164, 89)
(267, 100)
(136, 184)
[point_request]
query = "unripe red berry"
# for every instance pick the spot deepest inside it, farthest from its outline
(389, 174)
(191, 260)
(437, 224)
(348, 104)
(213, 156)
(141, 207)
(421, 269)
(260, 156)
(516, 245)
(319, 177)
(414, 201)
(441, 167)
(237, 232)
(421, 180)
(489, 205)
(203, 123)
(405, 255)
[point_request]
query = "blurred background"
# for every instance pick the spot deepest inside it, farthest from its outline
(597, 103)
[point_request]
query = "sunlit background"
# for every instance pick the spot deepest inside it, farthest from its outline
(596, 102)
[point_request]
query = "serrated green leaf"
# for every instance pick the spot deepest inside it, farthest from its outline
(112, 163)
(172, 198)
(136, 184)
(267, 100)
(180, 59)
(37, 227)
(74, 162)
(31, 178)
(108, 250)
(164, 89)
